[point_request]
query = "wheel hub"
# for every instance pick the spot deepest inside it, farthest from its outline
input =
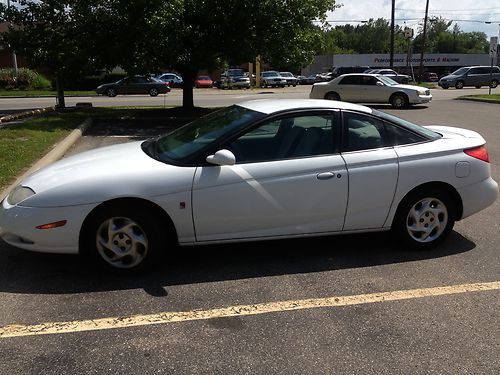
(122, 242)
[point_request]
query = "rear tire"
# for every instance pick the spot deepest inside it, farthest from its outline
(332, 96)
(153, 92)
(111, 92)
(424, 218)
(494, 84)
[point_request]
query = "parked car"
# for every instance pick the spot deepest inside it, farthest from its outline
(324, 77)
(203, 81)
(291, 80)
(309, 80)
(476, 76)
(173, 79)
(134, 85)
(430, 77)
(399, 78)
(272, 78)
(370, 88)
(258, 170)
(234, 78)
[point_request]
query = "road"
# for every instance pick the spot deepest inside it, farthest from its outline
(202, 98)
(327, 307)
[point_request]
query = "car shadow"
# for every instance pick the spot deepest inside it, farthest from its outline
(34, 273)
(390, 107)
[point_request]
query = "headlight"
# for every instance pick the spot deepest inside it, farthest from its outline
(18, 194)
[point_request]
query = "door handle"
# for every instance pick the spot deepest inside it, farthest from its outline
(327, 175)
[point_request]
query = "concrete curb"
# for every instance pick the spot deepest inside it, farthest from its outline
(56, 153)
(32, 112)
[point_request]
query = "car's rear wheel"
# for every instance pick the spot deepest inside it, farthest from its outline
(424, 218)
(399, 100)
(332, 96)
(494, 84)
(125, 240)
(459, 85)
(111, 92)
(477, 86)
(153, 91)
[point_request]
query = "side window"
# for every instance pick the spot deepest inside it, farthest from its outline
(474, 71)
(350, 80)
(285, 138)
(363, 132)
(399, 136)
(368, 81)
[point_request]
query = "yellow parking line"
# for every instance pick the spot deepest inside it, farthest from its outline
(241, 310)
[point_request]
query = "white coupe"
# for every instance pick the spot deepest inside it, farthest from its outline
(263, 169)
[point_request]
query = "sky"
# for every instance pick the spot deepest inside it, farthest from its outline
(470, 15)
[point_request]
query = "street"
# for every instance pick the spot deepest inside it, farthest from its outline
(263, 308)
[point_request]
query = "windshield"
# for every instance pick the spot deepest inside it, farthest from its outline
(191, 138)
(460, 71)
(387, 81)
(408, 125)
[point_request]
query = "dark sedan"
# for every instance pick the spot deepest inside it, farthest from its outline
(134, 85)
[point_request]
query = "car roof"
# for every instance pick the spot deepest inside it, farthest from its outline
(270, 106)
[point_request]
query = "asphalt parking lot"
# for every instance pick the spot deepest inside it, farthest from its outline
(333, 305)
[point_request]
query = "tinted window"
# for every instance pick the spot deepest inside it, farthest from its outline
(363, 132)
(475, 71)
(350, 80)
(425, 133)
(285, 138)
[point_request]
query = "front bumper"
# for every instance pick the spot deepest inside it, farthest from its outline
(18, 227)
(420, 99)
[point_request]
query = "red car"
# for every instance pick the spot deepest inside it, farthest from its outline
(203, 81)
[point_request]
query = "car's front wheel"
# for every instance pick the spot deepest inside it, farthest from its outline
(459, 85)
(424, 218)
(111, 92)
(399, 100)
(124, 240)
(494, 84)
(153, 92)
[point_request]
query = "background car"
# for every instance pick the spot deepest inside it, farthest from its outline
(203, 81)
(291, 80)
(258, 170)
(476, 76)
(134, 85)
(430, 77)
(399, 78)
(340, 70)
(370, 88)
(272, 78)
(173, 79)
(234, 78)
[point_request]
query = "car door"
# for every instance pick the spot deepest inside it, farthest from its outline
(372, 93)
(349, 89)
(473, 77)
(287, 180)
(372, 165)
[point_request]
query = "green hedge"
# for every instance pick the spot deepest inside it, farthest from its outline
(26, 79)
(89, 82)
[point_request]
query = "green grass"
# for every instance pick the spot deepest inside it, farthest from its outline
(30, 93)
(23, 144)
(428, 85)
(486, 96)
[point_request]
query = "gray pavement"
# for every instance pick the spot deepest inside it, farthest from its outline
(443, 334)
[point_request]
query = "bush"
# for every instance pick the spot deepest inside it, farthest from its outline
(26, 79)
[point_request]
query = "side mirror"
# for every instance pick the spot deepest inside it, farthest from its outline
(222, 157)
(379, 83)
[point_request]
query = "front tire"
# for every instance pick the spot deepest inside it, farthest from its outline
(494, 84)
(459, 85)
(125, 241)
(424, 218)
(111, 92)
(399, 101)
(153, 92)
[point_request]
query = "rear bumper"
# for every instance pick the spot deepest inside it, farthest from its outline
(478, 196)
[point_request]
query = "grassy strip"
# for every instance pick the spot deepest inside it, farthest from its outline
(486, 96)
(31, 93)
(23, 144)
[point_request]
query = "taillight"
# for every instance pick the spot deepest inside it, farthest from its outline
(479, 153)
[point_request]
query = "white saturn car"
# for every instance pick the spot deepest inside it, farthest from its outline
(263, 169)
(370, 88)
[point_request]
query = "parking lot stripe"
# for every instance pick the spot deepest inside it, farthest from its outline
(240, 310)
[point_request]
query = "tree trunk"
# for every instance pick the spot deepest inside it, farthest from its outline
(188, 78)
(60, 91)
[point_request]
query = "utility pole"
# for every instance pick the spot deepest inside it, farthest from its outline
(420, 73)
(391, 59)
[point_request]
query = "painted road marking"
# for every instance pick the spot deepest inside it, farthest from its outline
(241, 310)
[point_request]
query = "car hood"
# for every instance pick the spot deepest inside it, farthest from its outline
(105, 173)
(411, 87)
(450, 76)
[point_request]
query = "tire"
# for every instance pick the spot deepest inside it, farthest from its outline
(446, 87)
(137, 239)
(494, 84)
(399, 101)
(332, 96)
(153, 92)
(424, 218)
(459, 85)
(477, 86)
(111, 92)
